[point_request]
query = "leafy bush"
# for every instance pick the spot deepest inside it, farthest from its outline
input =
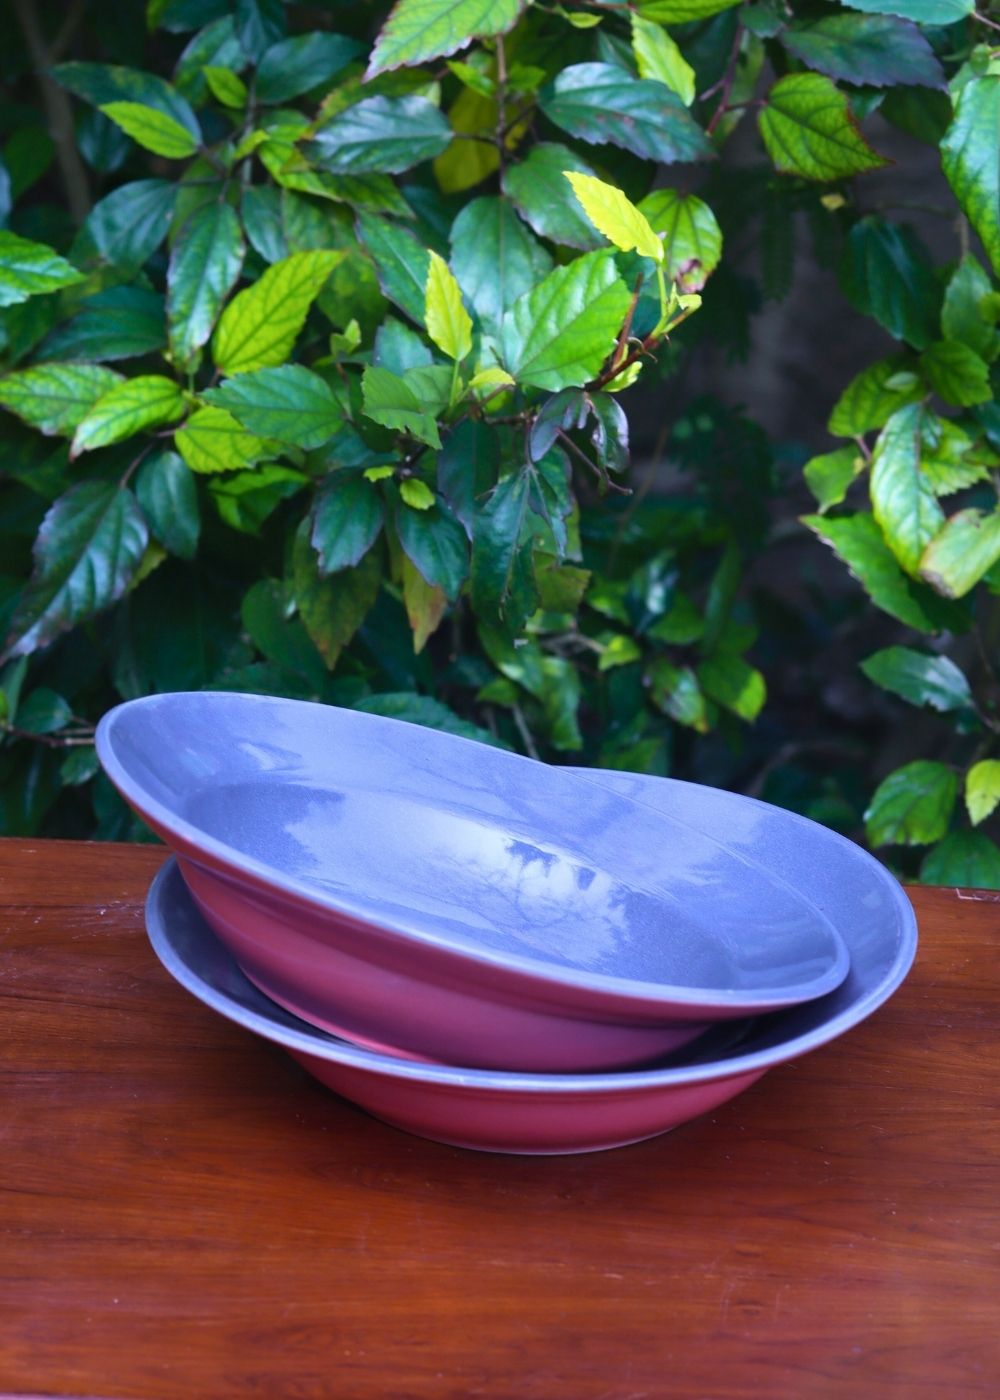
(318, 323)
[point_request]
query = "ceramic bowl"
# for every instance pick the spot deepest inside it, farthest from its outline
(444, 899)
(498, 1111)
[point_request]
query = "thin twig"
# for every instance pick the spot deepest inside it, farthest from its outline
(57, 109)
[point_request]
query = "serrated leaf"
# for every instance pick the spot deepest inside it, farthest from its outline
(467, 468)
(386, 134)
(87, 550)
(245, 500)
(294, 66)
(424, 603)
(214, 45)
(598, 104)
(212, 441)
(205, 263)
(55, 398)
(868, 402)
(436, 544)
(808, 130)
(923, 11)
(560, 333)
(166, 491)
(829, 475)
(956, 372)
(29, 269)
(658, 57)
(448, 323)
(332, 608)
(919, 678)
(287, 402)
(421, 709)
(494, 257)
(886, 274)
(963, 317)
(875, 50)
(538, 189)
(401, 262)
(346, 520)
(970, 158)
(903, 500)
(964, 549)
(261, 324)
(103, 83)
(118, 324)
(948, 460)
(124, 229)
(420, 29)
(391, 401)
(259, 24)
(128, 408)
(152, 130)
(225, 86)
(260, 210)
(912, 806)
(968, 859)
(734, 684)
(692, 239)
(613, 214)
(859, 543)
(675, 691)
(982, 789)
(683, 11)
(503, 582)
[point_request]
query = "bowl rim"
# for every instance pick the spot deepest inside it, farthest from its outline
(168, 884)
(226, 861)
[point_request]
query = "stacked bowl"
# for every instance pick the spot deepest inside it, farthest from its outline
(483, 949)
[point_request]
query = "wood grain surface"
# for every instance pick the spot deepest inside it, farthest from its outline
(184, 1214)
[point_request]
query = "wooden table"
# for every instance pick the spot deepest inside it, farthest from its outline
(184, 1214)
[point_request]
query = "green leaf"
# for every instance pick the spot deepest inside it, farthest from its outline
(968, 859)
(448, 323)
(675, 691)
(390, 400)
(808, 130)
(956, 372)
(467, 468)
(963, 317)
(598, 104)
(205, 262)
(114, 325)
(875, 50)
(538, 189)
(28, 269)
(922, 11)
(613, 214)
(103, 83)
(903, 500)
(332, 608)
(346, 519)
(982, 789)
(425, 605)
(560, 333)
(658, 57)
(964, 549)
(401, 261)
(260, 210)
(503, 582)
(886, 274)
(43, 712)
(734, 684)
(692, 239)
(494, 257)
(294, 66)
(55, 398)
(288, 402)
(421, 709)
(913, 806)
(226, 87)
(261, 324)
(152, 130)
(858, 542)
(124, 229)
(88, 548)
(416, 493)
(560, 702)
(869, 402)
(948, 461)
(166, 491)
(436, 544)
(246, 499)
(277, 635)
(420, 29)
(970, 158)
(216, 45)
(126, 409)
(829, 475)
(380, 134)
(680, 625)
(212, 441)
(921, 679)
(683, 11)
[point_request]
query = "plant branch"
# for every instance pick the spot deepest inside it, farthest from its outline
(725, 84)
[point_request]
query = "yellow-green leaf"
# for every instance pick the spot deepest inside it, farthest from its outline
(154, 130)
(419, 29)
(809, 130)
(126, 409)
(448, 323)
(55, 397)
(982, 789)
(416, 493)
(691, 237)
(260, 325)
(226, 87)
(657, 56)
(212, 441)
(613, 214)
